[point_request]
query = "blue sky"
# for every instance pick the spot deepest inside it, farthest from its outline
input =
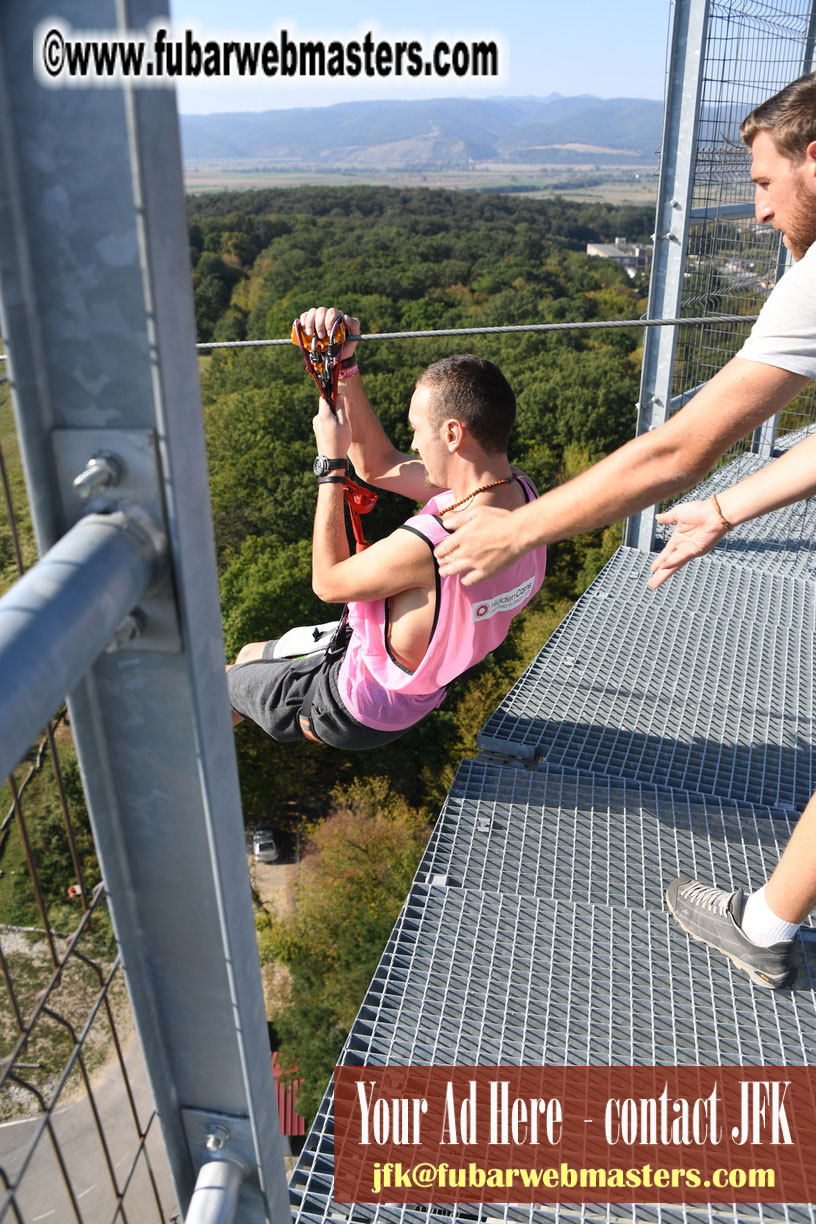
(563, 46)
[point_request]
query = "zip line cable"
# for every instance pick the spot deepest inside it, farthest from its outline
(489, 331)
(695, 321)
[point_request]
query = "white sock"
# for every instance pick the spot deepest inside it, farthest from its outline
(761, 925)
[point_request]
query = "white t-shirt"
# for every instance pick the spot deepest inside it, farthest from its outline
(784, 335)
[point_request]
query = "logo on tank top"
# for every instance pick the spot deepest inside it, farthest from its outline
(502, 603)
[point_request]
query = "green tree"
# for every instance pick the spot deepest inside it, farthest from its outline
(267, 590)
(359, 865)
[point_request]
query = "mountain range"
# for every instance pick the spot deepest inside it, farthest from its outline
(434, 134)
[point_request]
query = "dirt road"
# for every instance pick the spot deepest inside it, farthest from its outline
(273, 883)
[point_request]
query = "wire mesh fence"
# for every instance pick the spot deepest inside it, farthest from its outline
(754, 48)
(78, 1133)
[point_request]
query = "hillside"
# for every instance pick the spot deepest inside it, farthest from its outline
(440, 133)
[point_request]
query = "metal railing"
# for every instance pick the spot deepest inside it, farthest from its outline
(67, 1013)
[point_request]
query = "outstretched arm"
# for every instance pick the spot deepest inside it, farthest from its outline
(698, 526)
(646, 470)
(376, 460)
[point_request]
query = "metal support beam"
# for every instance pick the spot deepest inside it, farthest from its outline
(810, 42)
(678, 145)
(722, 212)
(62, 614)
(98, 322)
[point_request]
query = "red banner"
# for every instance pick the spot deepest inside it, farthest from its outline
(574, 1134)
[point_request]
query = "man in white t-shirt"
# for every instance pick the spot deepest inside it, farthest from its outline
(775, 363)
(784, 335)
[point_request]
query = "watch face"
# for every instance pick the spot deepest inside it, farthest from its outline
(320, 466)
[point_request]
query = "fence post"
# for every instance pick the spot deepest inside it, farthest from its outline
(678, 147)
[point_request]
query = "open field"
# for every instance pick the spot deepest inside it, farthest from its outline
(624, 184)
(45, 1054)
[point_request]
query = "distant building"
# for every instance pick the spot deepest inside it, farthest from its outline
(293, 1126)
(633, 256)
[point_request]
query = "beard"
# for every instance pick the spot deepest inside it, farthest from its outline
(800, 232)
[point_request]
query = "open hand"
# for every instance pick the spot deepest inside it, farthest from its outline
(698, 528)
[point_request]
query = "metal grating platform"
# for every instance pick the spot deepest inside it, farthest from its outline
(657, 727)
(476, 978)
(783, 542)
(316, 1208)
(787, 441)
(707, 588)
(707, 687)
(587, 838)
(524, 980)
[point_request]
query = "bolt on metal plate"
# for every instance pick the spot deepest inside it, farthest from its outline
(101, 470)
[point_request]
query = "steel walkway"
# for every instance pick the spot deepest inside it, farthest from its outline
(656, 732)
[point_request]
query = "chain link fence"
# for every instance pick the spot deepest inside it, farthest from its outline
(78, 1133)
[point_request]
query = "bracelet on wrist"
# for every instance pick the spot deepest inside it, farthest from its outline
(728, 526)
(347, 362)
(331, 480)
(348, 371)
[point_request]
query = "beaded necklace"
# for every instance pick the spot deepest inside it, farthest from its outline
(483, 489)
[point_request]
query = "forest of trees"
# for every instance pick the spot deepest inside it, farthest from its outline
(400, 260)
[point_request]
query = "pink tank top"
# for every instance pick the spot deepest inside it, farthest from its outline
(468, 623)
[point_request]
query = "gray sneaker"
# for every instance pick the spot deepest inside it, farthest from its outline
(713, 916)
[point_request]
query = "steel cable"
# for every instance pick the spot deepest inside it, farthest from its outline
(491, 331)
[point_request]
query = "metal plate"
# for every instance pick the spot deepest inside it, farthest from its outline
(141, 483)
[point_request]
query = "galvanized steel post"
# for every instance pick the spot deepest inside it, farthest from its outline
(678, 144)
(98, 321)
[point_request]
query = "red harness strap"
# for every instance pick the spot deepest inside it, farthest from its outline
(359, 501)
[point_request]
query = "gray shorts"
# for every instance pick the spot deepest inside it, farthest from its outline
(270, 692)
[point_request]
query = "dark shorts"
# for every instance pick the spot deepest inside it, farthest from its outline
(271, 692)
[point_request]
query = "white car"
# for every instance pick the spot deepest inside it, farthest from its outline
(264, 846)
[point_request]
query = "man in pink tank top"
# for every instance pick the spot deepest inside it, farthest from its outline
(411, 630)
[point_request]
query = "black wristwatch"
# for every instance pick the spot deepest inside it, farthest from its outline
(322, 466)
